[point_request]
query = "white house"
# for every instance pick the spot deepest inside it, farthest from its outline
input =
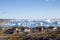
(27, 30)
(55, 28)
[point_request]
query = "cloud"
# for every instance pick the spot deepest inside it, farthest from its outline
(3, 12)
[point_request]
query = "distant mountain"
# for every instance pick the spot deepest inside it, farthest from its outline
(33, 23)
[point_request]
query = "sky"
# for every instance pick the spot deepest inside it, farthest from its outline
(30, 9)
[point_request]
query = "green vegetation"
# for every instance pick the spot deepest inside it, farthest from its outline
(32, 35)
